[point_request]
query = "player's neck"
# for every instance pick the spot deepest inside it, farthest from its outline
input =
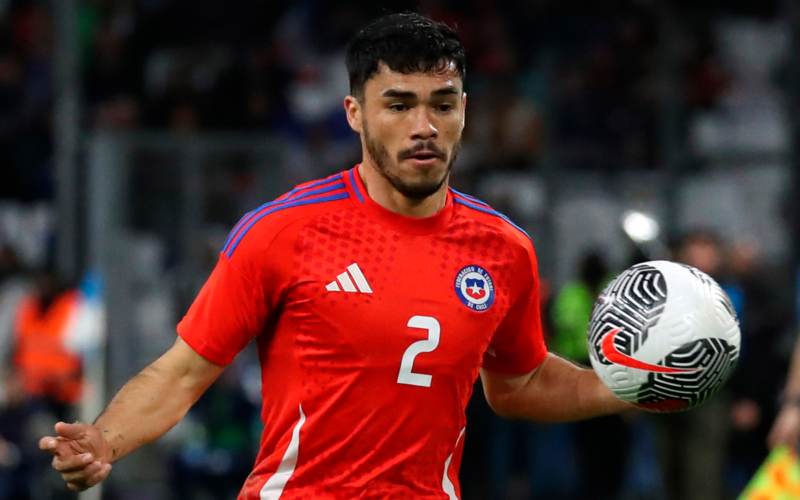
(385, 195)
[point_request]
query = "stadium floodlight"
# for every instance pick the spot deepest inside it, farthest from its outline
(640, 227)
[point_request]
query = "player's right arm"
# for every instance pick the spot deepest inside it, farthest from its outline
(146, 407)
(242, 291)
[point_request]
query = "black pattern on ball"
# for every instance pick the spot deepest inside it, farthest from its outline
(714, 357)
(633, 302)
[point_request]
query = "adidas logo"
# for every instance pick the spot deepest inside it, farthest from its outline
(347, 283)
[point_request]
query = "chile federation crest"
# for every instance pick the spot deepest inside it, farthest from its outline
(475, 288)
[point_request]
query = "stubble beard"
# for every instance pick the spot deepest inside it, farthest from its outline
(412, 190)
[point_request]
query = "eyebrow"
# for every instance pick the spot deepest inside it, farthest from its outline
(446, 91)
(405, 94)
(398, 93)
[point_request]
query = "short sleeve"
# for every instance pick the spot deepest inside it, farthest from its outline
(236, 302)
(518, 346)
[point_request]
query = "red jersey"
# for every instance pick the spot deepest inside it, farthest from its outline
(371, 329)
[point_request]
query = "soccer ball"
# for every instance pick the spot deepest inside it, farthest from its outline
(664, 336)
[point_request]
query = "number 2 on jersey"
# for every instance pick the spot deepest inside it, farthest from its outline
(406, 375)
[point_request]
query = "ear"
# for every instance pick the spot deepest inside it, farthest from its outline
(463, 110)
(353, 110)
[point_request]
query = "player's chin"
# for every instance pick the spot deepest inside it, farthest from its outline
(418, 187)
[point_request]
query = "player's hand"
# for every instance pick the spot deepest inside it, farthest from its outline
(786, 429)
(80, 454)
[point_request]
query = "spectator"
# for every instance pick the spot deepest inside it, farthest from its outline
(692, 444)
(47, 370)
(765, 318)
(44, 380)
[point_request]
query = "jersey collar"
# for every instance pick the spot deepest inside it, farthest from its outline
(398, 222)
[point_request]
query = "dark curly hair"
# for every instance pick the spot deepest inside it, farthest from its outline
(406, 43)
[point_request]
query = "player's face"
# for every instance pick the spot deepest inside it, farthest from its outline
(411, 127)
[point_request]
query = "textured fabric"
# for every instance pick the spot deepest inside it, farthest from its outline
(360, 322)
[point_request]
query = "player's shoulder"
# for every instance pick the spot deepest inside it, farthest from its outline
(260, 226)
(480, 212)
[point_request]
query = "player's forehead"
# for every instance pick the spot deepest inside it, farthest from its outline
(388, 82)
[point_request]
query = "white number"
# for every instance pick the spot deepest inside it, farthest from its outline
(406, 376)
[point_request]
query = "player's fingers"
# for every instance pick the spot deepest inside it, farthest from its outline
(82, 483)
(99, 477)
(58, 447)
(48, 443)
(70, 431)
(82, 475)
(67, 463)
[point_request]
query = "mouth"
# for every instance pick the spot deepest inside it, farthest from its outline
(425, 157)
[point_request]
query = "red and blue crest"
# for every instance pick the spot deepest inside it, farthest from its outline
(475, 288)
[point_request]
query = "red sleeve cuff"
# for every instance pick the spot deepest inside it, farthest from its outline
(203, 349)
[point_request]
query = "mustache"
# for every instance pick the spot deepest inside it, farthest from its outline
(422, 146)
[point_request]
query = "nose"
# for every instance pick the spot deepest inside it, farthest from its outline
(424, 127)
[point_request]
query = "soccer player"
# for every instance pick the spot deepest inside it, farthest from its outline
(376, 297)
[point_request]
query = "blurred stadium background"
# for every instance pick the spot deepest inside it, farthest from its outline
(135, 133)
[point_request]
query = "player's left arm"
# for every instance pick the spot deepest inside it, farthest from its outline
(521, 379)
(556, 391)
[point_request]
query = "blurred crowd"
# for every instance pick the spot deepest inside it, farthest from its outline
(576, 86)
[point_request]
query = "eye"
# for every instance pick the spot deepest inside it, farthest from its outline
(444, 108)
(397, 107)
